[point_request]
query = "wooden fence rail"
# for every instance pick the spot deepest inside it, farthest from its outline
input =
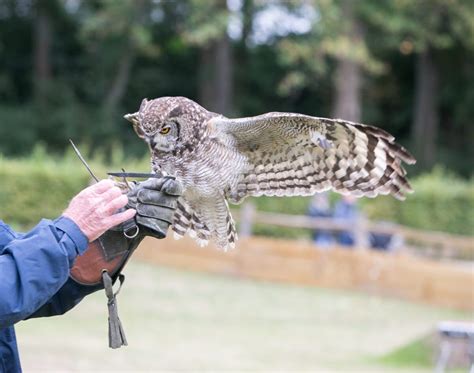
(447, 245)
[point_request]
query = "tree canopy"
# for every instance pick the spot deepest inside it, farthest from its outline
(72, 68)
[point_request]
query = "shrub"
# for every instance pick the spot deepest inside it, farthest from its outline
(41, 186)
(37, 187)
(442, 202)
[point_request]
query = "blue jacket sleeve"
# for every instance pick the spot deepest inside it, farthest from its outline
(35, 266)
(70, 294)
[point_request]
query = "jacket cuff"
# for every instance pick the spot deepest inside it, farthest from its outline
(74, 232)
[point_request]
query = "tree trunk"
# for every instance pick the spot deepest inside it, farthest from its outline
(247, 21)
(119, 84)
(242, 55)
(216, 75)
(426, 116)
(206, 77)
(129, 53)
(348, 77)
(347, 103)
(42, 48)
(223, 76)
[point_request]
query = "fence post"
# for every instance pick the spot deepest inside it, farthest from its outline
(361, 233)
(247, 213)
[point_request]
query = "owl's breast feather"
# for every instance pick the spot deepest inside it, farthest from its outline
(208, 171)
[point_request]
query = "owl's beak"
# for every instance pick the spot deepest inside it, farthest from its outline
(133, 118)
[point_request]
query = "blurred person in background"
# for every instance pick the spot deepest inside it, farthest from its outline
(385, 241)
(346, 210)
(320, 207)
(35, 267)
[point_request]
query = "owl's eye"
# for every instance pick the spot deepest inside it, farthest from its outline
(165, 130)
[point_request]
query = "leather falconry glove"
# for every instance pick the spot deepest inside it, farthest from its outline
(155, 201)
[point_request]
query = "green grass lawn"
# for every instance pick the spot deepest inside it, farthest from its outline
(177, 320)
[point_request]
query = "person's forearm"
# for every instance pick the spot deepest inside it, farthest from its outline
(70, 294)
(34, 267)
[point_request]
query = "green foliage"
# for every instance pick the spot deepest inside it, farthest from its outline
(441, 202)
(22, 141)
(419, 353)
(104, 56)
(434, 23)
(37, 187)
(116, 21)
(201, 29)
(41, 186)
(394, 32)
(310, 57)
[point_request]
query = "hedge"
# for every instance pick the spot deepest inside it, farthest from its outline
(442, 202)
(41, 186)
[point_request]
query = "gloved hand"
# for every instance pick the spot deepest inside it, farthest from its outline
(98, 208)
(155, 201)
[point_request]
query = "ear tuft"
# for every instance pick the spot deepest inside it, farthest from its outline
(143, 104)
(132, 117)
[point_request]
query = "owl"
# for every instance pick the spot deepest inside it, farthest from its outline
(221, 160)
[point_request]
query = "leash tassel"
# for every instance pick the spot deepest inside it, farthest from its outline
(117, 337)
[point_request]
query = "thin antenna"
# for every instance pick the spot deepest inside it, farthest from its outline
(78, 153)
(125, 180)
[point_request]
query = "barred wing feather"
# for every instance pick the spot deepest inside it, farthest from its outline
(292, 154)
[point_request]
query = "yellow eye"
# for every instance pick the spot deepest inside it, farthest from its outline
(165, 130)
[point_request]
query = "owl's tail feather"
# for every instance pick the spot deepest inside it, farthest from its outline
(231, 231)
(215, 214)
(185, 220)
(212, 221)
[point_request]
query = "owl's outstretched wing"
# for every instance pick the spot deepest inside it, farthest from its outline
(293, 154)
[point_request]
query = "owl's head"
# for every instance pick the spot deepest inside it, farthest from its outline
(168, 124)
